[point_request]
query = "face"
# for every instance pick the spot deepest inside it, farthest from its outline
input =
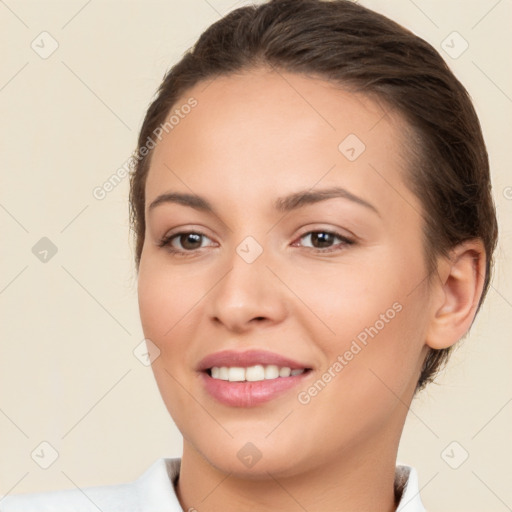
(292, 243)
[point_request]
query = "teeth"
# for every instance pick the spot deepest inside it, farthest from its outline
(271, 371)
(284, 372)
(236, 374)
(253, 373)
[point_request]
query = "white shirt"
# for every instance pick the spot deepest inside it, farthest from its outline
(154, 491)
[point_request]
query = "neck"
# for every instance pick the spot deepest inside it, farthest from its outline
(357, 479)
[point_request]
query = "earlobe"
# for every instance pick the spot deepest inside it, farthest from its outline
(459, 287)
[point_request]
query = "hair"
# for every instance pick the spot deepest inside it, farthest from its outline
(360, 50)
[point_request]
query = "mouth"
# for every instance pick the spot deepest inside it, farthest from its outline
(247, 379)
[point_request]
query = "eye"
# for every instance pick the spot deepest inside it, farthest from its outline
(183, 242)
(322, 241)
(188, 243)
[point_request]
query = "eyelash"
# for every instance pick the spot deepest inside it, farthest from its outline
(166, 242)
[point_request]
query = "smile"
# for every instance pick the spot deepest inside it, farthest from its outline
(250, 377)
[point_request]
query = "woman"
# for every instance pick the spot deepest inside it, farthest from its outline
(314, 232)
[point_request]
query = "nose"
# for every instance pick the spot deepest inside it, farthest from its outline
(248, 295)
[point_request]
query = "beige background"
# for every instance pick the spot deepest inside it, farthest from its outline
(68, 375)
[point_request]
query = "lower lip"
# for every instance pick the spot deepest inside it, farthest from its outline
(249, 394)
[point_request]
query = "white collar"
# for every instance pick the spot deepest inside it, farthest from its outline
(406, 484)
(407, 487)
(154, 491)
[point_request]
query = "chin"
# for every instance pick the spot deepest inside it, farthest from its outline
(254, 459)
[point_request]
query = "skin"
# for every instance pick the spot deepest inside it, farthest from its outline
(253, 137)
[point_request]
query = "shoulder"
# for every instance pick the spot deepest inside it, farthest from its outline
(152, 491)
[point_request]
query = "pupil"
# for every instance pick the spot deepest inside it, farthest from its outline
(193, 238)
(324, 239)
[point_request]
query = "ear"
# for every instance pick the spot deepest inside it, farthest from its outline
(457, 291)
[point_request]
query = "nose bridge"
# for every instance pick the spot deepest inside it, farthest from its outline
(248, 290)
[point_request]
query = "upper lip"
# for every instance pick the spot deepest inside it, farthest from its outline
(247, 358)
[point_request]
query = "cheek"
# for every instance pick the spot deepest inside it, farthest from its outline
(370, 370)
(372, 315)
(164, 297)
(171, 307)
(345, 299)
(163, 306)
(153, 302)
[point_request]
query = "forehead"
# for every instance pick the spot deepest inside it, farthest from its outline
(264, 132)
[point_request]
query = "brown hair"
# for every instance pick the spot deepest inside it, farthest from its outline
(362, 50)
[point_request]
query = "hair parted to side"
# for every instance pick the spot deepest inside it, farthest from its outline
(361, 50)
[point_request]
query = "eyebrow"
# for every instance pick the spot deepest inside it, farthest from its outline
(287, 203)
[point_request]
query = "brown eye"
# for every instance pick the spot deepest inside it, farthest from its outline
(183, 242)
(325, 239)
(190, 241)
(321, 239)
